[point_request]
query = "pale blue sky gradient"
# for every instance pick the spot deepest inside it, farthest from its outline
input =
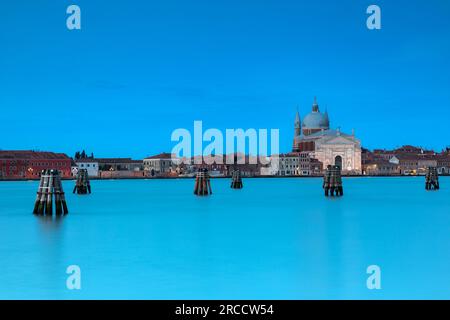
(138, 70)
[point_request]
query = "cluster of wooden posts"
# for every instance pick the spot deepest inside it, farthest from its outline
(50, 188)
(51, 191)
(82, 185)
(202, 183)
(236, 180)
(432, 179)
(332, 181)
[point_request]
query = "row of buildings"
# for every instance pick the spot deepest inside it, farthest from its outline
(315, 146)
(407, 160)
(28, 164)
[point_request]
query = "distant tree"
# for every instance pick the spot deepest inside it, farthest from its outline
(92, 155)
(83, 154)
(77, 155)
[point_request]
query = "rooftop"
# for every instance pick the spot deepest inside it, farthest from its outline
(90, 160)
(30, 154)
(116, 160)
(164, 155)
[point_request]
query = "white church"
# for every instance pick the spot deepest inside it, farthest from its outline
(331, 147)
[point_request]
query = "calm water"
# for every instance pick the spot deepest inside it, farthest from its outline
(274, 239)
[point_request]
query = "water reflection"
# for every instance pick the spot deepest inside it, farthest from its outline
(49, 257)
(50, 224)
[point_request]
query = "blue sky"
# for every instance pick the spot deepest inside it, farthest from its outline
(140, 69)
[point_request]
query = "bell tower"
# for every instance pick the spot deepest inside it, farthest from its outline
(297, 132)
(297, 124)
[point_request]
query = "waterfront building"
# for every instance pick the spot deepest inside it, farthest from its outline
(249, 166)
(160, 164)
(329, 146)
(28, 164)
(272, 168)
(120, 168)
(119, 164)
(425, 162)
(409, 163)
(91, 165)
(406, 160)
(315, 167)
(215, 164)
(379, 162)
(443, 163)
(298, 164)
(380, 166)
(289, 165)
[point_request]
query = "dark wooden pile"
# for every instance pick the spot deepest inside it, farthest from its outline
(432, 179)
(236, 180)
(82, 184)
(50, 189)
(202, 183)
(332, 181)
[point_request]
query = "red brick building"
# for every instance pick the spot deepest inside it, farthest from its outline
(18, 164)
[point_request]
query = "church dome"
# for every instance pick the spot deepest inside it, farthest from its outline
(316, 119)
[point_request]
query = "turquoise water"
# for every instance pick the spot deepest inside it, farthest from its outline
(274, 239)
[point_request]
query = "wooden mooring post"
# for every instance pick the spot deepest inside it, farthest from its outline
(332, 181)
(432, 179)
(236, 179)
(202, 183)
(50, 187)
(82, 185)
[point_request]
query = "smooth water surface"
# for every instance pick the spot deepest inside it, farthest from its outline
(277, 238)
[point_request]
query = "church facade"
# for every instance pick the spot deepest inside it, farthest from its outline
(329, 146)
